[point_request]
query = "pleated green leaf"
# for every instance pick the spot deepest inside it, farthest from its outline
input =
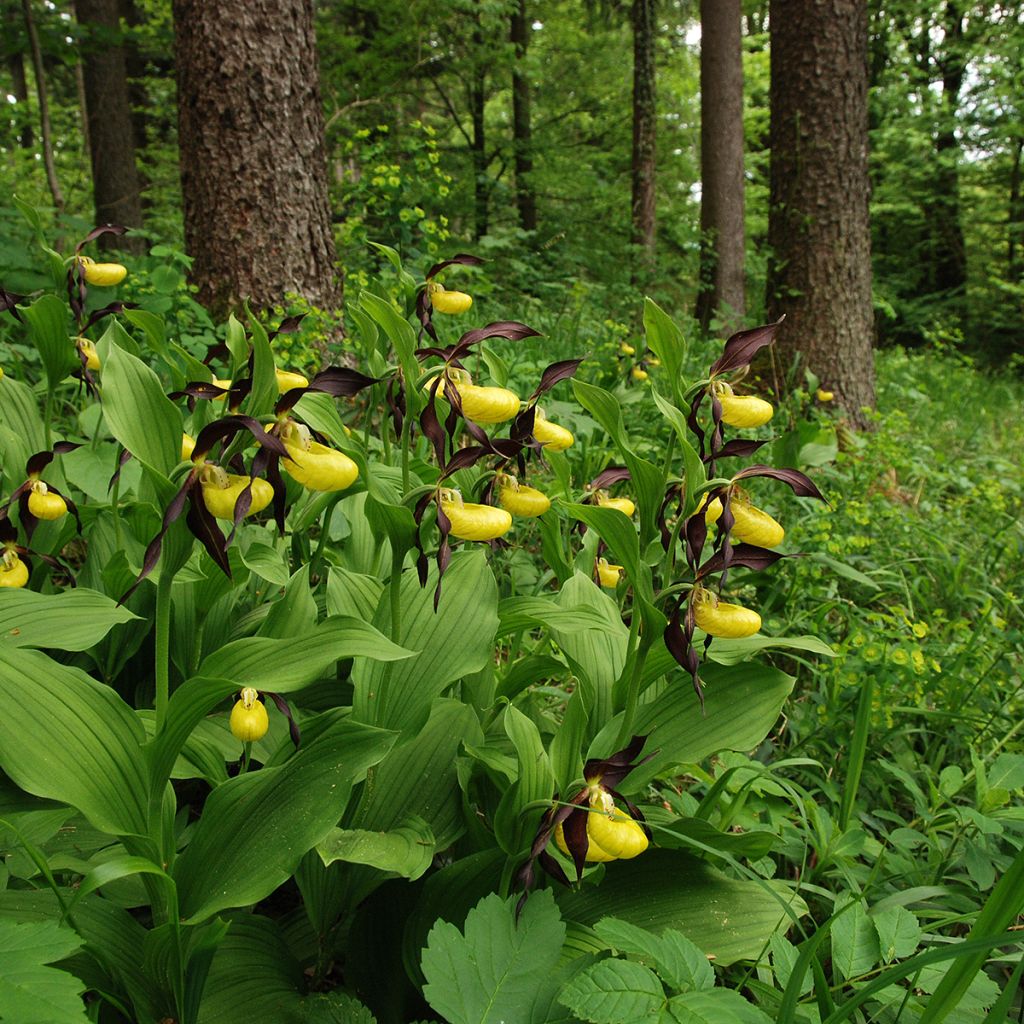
(48, 321)
(281, 664)
(255, 828)
(67, 737)
(71, 620)
(666, 889)
(452, 642)
(407, 850)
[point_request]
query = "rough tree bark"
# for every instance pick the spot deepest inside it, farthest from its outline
(44, 106)
(818, 230)
(723, 274)
(253, 162)
(644, 134)
(115, 181)
(526, 201)
(14, 58)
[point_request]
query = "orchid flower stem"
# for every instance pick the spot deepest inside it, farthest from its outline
(47, 416)
(162, 669)
(632, 695)
(406, 434)
(246, 755)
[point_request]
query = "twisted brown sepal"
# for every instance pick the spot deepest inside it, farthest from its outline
(9, 303)
(799, 483)
(742, 346)
(33, 469)
(293, 726)
(336, 381)
(77, 289)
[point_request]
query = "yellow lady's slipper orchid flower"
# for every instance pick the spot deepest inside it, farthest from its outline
(626, 349)
(221, 491)
(521, 500)
(314, 465)
(481, 404)
(654, 362)
(103, 275)
(188, 446)
(88, 350)
(611, 834)
(249, 721)
(13, 571)
(551, 436)
(743, 410)
(752, 526)
(43, 504)
(825, 396)
(624, 505)
(287, 379)
(639, 373)
(448, 302)
(717, 618)
(473, 522)
(608, 575)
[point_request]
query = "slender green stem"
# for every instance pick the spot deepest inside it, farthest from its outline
(47, 416)
(632, 695)
(162, 671)
(406, 433)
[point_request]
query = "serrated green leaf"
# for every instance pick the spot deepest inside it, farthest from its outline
(784, 956)
(31, 992)
(899, 933)
(615, 992)
(71, 620)
(679, 963)
(855, 948)
(719, 1006)
(489, 974)
(333, 1008)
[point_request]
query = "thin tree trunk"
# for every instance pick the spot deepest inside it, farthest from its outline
(644, 134)
(478, 110)
(820, 274)
(19, 90)
(115, 180)
(253, 158)
(1015, 225)
(44, 107)
(521, 133)
(723, 274)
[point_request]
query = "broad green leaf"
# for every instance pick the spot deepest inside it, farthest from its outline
(784, 956)
(254, 978)
(48, 321)
(31, 992)
(741, 704)
(513, 828)
(683, 833)
(489, 974)
(664, 338)
(279, 664)
(293, 614)
(67, 737)
(19, 410)
(237, 343)
(663, 889)
(136, 409)
(260, 400)
(716, 1006)
(855, 947)
(566, 747)
(321, 413)
(732, 652)
(679, 963)
(353, 593)
(519, 613)
(407, 850)
(401, 335)
(899, 933)
(333, 1008)
(696, 473)
(452, 642)
(266, 562)
(615, 992)
(71, 620)
(255, 828)
(617, 531)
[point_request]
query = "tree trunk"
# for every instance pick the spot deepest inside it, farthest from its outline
(253, 162)
(519, 36)
(644, 134)
(44, 106)
(1015, 221)
(723, 274)
(950, 254)
(115, 181)
(818, 231)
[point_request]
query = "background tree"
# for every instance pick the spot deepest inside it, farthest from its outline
(253, 164)
(723, 273)
(819, 230)
(519, 35)
(644, 129)
(115, 180)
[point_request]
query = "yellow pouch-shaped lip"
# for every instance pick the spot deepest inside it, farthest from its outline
(718, 618)
(249, 721)
(473, 522)
(552, 436)
(624, 505)
(743, 410)
(521, 500)
(45, 505)
(448, 302)
(611, 834)
(103, 275)
(88, 349)
(752, 525)
(320, 468)
(13, 571)
(220, 501)
(479, 404)
(608, 575)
